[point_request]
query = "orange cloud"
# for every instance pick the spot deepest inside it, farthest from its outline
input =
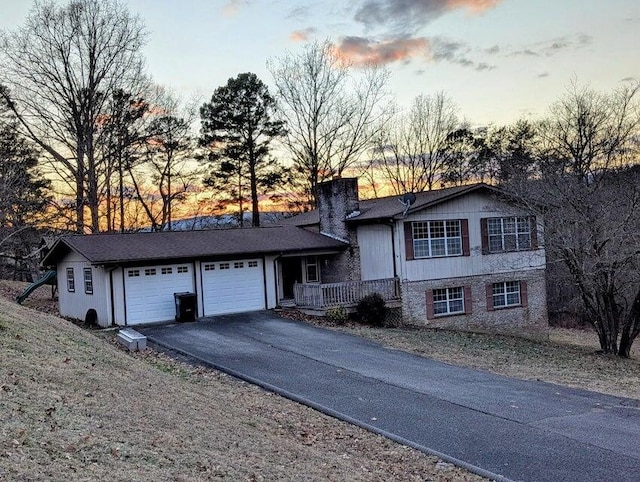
(302, 35)
(474, 6)
(232, 6)
(361, 51)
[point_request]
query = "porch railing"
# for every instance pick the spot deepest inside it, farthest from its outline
(346, 293)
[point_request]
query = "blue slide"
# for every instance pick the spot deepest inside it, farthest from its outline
(48, 278)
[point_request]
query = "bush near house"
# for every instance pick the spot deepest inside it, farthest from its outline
(372, 310)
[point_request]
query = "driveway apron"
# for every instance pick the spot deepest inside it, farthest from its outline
(522, 430)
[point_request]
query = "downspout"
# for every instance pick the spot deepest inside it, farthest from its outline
(391, 224)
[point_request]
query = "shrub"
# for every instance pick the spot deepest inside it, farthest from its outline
(371, 310)
(337, 315)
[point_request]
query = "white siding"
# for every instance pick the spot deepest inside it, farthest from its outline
(270, 279)
(472, 207)
(376, 251)
(76, 304)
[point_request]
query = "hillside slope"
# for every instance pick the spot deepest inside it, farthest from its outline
(75, 407)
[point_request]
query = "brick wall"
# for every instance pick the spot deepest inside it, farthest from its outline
(528, 321)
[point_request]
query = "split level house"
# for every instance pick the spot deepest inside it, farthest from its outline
(463, 258)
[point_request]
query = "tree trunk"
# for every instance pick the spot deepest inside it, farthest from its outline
(255, 212)
(631, 328)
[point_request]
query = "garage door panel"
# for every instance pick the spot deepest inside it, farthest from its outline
(149, 291)
(233, 286)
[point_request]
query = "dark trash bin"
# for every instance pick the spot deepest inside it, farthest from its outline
(186, 304)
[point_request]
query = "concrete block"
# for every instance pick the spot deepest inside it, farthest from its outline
(133, 340)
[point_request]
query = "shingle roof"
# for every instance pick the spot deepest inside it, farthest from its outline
(390, 206)
(174, 245)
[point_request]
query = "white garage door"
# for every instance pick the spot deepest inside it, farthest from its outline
(232, 286)
(149, 291)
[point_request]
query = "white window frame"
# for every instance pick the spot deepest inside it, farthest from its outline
(71, 280)
(426, 242)
(446, 298)
(311, 262)
(506, 294)
(514, 228)
(87, 276)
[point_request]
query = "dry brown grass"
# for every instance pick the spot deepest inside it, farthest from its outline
(570, 357)
(73, 406)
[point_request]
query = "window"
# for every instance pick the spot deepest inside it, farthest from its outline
(312, 270)
(238, 264)
(183, 269)
(506, 294)
(209, 267)
(508, 234)
(432, 239)
(166, 270)
(448, 301)
(88, 281)
(225, 266)
(71, 282)
(253, 264)
(133, 273)
(150, 272)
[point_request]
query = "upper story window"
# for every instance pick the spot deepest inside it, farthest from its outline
(71, 282)
(88, 281)
(508, 234)
(432, 239)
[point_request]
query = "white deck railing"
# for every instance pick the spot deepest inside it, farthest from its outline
(347, 293)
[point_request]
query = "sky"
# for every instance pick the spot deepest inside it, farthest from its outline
(499, 60)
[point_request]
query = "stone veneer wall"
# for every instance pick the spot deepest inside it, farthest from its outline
(337, 199)
(529, 321)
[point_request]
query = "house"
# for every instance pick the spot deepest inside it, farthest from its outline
(462, 258)
(129, 279)
(465, 257)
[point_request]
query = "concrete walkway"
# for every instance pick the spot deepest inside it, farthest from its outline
(522, 430)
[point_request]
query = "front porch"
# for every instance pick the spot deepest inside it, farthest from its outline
(322, 296)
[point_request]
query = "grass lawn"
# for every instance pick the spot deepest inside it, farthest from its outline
(73, 406)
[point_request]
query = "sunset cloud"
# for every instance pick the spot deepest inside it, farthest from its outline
(232, 6)
(361, 51)
(302, 35)
(408, 15)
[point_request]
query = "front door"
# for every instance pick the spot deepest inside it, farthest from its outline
(291, 274)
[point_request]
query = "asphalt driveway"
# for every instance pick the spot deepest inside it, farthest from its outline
(522, 430)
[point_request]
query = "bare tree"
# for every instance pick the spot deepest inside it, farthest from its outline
(61, 68)
(166, 170)
(589, 131)
(413, 152)
(332, 114)
(592, 207)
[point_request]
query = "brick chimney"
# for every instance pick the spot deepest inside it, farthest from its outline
(337, 200)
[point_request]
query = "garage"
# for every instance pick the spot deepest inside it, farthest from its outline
(149, 291)
(232, 286)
